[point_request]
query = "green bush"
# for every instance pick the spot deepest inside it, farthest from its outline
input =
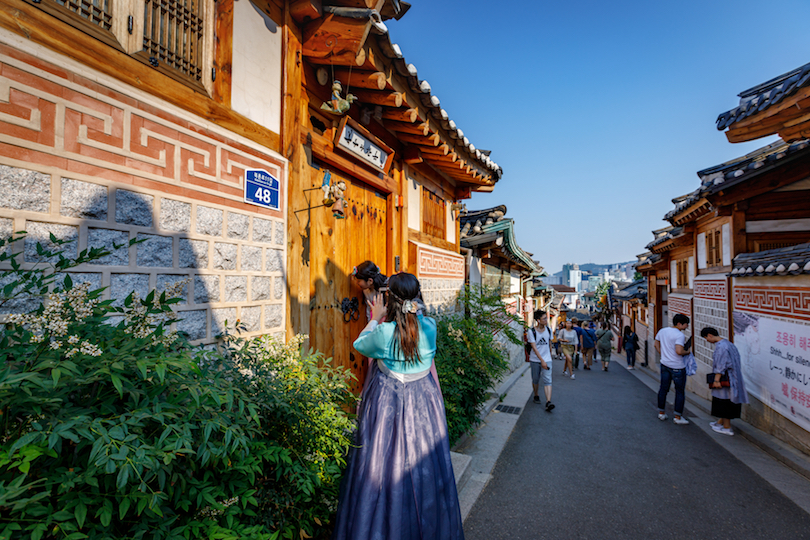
(113, 427)
(301, 402)
(469, 356)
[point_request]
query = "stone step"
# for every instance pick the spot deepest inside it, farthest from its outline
(461, 469)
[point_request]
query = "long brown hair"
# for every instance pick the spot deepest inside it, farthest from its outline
(404, 289)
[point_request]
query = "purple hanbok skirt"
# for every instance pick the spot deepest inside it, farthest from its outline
(399, 482)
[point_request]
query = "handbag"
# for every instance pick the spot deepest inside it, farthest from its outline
(723, 379)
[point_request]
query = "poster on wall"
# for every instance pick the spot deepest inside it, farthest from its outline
(775, 357)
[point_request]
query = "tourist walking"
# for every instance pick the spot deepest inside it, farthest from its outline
(728, 386)
(670, 343)
(588, 341)
(604, 343)
(539, 337)
(399, 482)
(630, 342)
(570, 341)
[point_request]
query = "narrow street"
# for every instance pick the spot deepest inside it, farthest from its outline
(602, 465)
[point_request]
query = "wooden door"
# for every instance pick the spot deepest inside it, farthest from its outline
(338, 245)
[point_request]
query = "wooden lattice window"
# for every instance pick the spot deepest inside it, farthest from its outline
(434, 215)
(714, 247)
(94, 17)
(683, 273)
(765, 246)
(173, 36)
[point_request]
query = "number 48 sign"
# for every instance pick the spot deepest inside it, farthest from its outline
(261, 189)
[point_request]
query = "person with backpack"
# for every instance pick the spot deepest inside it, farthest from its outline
(588, 342)
(630, 341)
(538, 338)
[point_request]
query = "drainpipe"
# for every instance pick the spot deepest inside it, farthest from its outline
(467, 252)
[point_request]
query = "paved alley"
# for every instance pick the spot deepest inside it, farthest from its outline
(602, 465)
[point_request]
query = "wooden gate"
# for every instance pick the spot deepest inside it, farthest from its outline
(338, 245)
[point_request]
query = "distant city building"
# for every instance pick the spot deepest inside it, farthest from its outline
(572, 276)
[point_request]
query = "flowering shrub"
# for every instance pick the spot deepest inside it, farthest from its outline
(470, 357)
(112, 426)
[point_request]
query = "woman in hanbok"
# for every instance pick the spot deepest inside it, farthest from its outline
(399, 482)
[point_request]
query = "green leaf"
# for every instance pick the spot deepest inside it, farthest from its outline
(38, 531)
(116, 380)
(56, 373)
(123, 508)
(123, 476)
(81, 513)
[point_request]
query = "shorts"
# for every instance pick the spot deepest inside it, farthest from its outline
(568, 350)
(538, 372)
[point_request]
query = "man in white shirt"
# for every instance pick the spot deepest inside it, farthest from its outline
(670, 343)
(539, 338)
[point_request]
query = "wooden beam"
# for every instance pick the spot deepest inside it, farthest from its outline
(412, 155)
(224, 52)
(305, 10)
(386, 99)
(353, 78)
(409, 115)
(431, 140)
(38, 26)
(336, 40)
(769, 181)
(422, 238)
(407, 127)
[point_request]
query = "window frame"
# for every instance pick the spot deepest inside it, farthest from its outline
(434, 214)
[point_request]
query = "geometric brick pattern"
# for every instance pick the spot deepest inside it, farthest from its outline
(712, 313)
(680, 305)
(790, 302)
(711, 290)
(439, 264)
(146, 170)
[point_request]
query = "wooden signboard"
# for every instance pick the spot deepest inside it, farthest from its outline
(358, 142)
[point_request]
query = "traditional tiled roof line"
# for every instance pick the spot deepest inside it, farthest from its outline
(431, 102)
(479, 227)
(725, 175)
(792, 260)
(767, 94)
(669, 234)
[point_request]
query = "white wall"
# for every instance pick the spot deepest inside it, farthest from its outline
(256, 66)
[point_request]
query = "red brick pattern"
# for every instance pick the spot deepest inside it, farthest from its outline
(711, 290)
(53, 118)
(680, 305)
(792, 302)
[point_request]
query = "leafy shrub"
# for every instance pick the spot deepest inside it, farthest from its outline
(301, 401)
(122, 430)
(470, 357)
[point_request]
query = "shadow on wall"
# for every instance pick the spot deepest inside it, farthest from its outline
(234, 261)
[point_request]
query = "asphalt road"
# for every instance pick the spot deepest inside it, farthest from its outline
(602, 466)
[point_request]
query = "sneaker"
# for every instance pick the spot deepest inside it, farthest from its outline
(681, 421)
(724, 431)
(549, 406)
(537, 399)
(662, 416)
(715, 424)
(573, 376)
(631, 367)
(565, 372)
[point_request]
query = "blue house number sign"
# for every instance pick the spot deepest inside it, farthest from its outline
(261, 188)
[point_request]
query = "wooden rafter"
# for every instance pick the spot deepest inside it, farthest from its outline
(355, 78)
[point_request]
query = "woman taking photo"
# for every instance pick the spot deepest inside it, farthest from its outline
(399, 482)
(569, 339)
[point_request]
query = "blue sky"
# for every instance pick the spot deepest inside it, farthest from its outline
(599, 112)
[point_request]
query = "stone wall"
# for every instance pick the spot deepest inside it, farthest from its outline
(441, 275)
(440, 294)
(96, 163)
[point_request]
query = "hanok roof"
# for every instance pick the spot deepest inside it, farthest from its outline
(792, 260)
(491, 229)
(636, 290)
(663, 236)
(563, 289)
(777, 106)
(765, 95)
(731, 173)
(339, 38)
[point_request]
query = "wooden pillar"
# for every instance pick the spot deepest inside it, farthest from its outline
(294, 105)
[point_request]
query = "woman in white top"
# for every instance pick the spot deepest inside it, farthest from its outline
(570, 340)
